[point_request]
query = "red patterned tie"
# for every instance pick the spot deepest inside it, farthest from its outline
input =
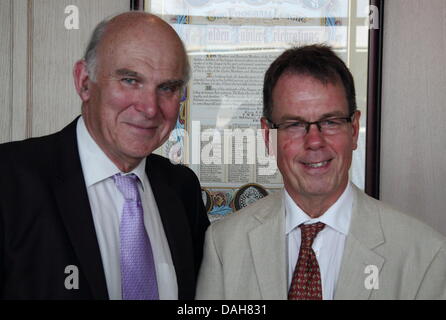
(306, 284)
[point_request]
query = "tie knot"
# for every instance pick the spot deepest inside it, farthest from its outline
(309, 232)
(127, 185)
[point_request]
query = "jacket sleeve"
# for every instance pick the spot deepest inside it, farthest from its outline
(199, 220)
(433, 285)
(210, 279)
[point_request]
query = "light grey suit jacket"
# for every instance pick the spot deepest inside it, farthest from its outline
(245, 256)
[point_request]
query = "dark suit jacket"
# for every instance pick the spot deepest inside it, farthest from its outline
(46, 222)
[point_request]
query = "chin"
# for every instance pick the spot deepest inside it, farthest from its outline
(139, 153)
(318, 192)
(318, 188)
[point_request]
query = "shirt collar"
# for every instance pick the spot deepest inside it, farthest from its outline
(337, 216)
(96, 166)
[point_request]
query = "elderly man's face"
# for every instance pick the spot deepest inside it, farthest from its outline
(314, 165)
(134, 103)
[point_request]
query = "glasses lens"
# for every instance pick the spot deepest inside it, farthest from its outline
(333, 126)
(295, 128)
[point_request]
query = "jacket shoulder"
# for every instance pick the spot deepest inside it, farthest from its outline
(404, 230)
(244, 220)
(32, 151)
(172, 171)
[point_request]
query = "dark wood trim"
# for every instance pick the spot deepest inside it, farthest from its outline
(137, 5)
(30, 69)
(373, 137)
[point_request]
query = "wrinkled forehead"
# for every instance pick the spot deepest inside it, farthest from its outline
(326, 77)
(306, 93)
(154, 45)
(306, 82)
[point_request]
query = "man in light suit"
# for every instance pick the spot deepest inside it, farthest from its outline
(321, 237)
(65, 197)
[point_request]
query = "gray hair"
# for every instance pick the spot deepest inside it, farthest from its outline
(90, 56)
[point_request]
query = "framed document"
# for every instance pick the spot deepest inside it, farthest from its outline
(230, 44)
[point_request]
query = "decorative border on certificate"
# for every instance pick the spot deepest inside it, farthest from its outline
(248, 194)
(207, 199)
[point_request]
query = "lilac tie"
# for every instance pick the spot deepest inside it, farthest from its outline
(138, 276)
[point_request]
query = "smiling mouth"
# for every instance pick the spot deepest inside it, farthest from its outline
(141, 127)
(316, 165)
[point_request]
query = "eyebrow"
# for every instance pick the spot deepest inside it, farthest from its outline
(172, 83)
(324, 116)
(131, 73)
(127, 72)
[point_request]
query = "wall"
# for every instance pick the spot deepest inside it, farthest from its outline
(37, 54)
(5, 70)
(413, 170)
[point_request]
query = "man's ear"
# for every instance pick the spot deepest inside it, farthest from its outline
(356, 127)
(81, 80)
(268, 137)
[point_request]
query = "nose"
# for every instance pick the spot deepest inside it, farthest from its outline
(314, 139)
(147, 103)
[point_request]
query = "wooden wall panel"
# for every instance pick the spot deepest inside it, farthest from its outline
(5, 70)
(55, 50)
(413, 171)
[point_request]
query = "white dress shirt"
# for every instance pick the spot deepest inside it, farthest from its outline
(107, 202)
(328, 244)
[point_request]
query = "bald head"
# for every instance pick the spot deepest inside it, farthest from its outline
(133, 26)
(131, 86)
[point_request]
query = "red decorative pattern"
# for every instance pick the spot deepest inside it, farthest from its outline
(306, 284)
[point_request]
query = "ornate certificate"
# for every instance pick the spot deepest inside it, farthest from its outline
(230, 44)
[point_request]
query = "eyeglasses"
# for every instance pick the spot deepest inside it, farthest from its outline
(329, 126)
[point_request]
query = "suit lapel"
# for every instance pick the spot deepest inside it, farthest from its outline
(267, 243)
(175, 224)
(72, 201)
(364, 236)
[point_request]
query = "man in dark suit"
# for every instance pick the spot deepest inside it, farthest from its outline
(62, 204)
